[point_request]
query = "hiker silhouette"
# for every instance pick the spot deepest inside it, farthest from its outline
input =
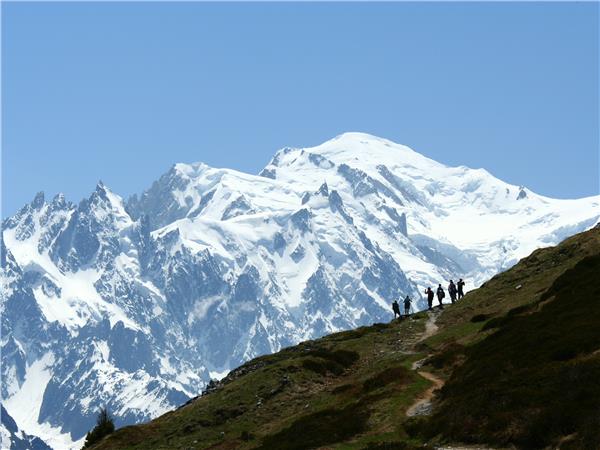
(460, 285)
(440, 295)
(407, 302)
(452, 291)
(430, 296)
(396, 308)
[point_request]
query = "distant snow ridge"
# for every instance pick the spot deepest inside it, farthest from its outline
(136, 304)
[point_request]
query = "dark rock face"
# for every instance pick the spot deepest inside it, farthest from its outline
(407, 191)
(269, 173)
(158, 203)
(298, 253)
(362, 184)
(301, 220)
(238, 207)
(399, 219)
(337, 205)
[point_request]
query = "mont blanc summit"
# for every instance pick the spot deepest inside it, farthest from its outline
(136, 304)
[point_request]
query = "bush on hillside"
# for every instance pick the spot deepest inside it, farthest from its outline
(104, 426)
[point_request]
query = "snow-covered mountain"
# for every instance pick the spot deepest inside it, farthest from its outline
(13, 438)
(137, 304)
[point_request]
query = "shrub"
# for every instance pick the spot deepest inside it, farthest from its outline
(319, 429)
(344, 358)
(479, 318)
(246, 436)
(322, 366)
(447, 356)
(397, 375)
(343, 388)
(323, 361)
(394, 445)
(104, 426)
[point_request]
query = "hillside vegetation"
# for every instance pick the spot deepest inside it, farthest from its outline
(519, 356)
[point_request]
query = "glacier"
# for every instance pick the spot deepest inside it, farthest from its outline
(135, 304)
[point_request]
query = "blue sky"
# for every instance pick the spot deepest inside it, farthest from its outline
(121, 91)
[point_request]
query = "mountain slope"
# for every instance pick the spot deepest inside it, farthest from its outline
(353, 389)
(537, 376)
(13, 438)
(136, 304)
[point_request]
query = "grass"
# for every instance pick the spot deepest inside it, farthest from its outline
(324, 361)
(536, 379)
(396, 375)
(510, 356)
(463, 331)
(340, 388)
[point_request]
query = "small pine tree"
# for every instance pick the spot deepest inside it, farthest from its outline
(104, 426)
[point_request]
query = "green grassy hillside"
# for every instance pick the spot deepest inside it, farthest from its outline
(520, 356)
(534, 382)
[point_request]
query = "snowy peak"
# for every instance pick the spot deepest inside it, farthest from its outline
(185, 189)
(165, 201)
(92, 234)
(366, 148)
(104, 204)
(138, 304)
(38, 201)
(395, 166)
